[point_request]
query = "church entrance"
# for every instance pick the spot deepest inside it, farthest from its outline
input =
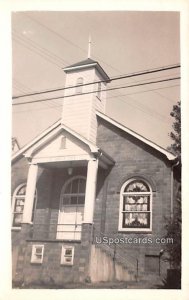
(71, 210)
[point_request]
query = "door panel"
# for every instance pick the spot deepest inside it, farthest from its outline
(70, 220)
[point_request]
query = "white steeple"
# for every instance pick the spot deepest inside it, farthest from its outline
(81, 99)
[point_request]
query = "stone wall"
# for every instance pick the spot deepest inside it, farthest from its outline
(134, 158)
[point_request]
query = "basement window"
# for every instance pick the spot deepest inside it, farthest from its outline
(37, 254)
(67, 255)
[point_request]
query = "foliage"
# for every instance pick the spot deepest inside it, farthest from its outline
(176, 133)
(173, 227)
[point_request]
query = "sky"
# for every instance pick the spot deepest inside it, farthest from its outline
(123, 42)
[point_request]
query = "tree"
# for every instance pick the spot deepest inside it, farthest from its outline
(176, 133)
(173, 227)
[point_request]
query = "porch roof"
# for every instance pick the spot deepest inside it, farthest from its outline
(54, 129)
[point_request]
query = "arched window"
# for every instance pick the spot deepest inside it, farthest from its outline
(79, 86)
(18, 205)
(135, 206)
(71, 209)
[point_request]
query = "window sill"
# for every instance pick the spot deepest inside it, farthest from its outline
(53, 241)
(16, 228)
(135, 231)
(66, 265)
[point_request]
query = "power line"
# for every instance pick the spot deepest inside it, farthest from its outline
(37, 52)
(39, 48)
(67, 40)
(54, 32)
(23, 86)
(140, 73)
(114, 96)
(92, 92)
(146, 91)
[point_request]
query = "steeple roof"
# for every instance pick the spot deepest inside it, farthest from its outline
(88, 63)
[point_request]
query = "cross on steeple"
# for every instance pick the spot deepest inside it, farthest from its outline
(89, 47)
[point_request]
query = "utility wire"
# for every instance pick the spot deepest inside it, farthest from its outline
(37, 52)
(145, 91)
(111, 79)
(49, 105)
(92, 92)
(39, 48)
(109, 97)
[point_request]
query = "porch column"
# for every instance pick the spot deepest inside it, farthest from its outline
(90, 191)
(30, 193)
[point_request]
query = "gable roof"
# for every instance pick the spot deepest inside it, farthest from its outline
(56, 127)
(60, 126)
(169, 155)
(88, 63)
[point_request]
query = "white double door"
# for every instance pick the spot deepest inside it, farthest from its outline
(69, 222)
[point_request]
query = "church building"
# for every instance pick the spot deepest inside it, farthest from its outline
(90, 197)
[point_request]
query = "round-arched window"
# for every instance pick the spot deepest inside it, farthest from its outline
(73, 193)
(135, 206)
(79, 85)
(18, 205)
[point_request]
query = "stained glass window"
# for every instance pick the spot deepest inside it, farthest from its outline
(18, 205)
(135, 206)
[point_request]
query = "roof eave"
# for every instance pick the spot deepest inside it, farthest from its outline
(93, 148)
(95, 65)
(170, 156)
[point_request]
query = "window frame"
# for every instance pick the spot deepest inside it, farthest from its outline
(14, 198)
(64, 256)
(122, 194)
(63, 194)
(33, 254)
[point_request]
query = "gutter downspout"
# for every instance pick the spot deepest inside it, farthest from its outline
(172, 186)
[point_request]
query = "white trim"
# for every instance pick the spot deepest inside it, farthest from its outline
(76, 234)
(49, 159)
(35, 140)
(65, 185)
(13, 204)
(169, 155)
(150, 193)
(90, 194)
(39, 144)
(34, 259)
(63, 255)
(88, 65)
(79, 67)
(30, 193)
(14, 197)
(51, 131)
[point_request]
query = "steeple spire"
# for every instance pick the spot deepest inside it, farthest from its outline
(89, 47)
